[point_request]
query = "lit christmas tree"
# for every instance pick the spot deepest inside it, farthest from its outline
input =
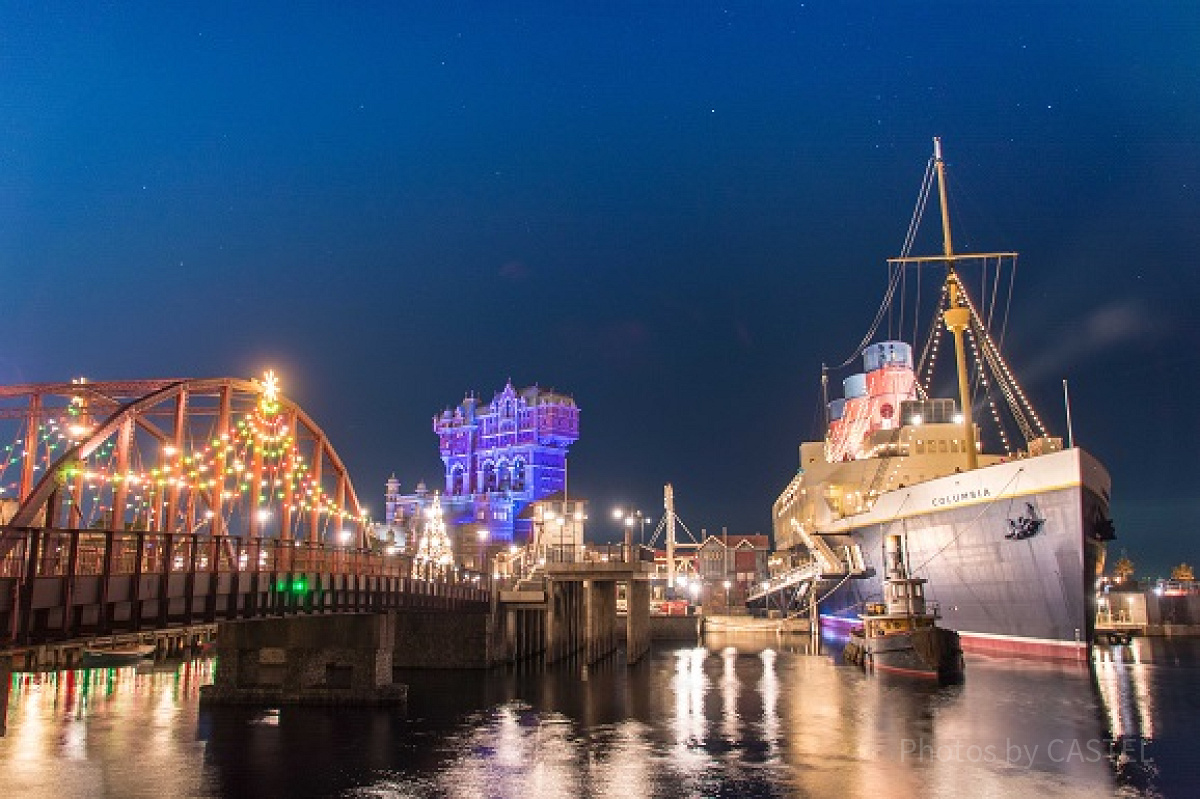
(434, 553)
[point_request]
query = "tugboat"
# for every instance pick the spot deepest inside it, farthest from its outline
(900, 635)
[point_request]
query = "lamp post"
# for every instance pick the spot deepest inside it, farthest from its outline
(629, 519)
(483, 534)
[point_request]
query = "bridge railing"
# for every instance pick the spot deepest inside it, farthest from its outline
(58, 553)
(58, 584)
(597, 553)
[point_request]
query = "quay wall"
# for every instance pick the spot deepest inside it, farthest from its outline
(440, 640)
(675, 628)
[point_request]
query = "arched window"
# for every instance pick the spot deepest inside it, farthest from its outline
(505, 475)
(518, 475)
(489, 476)
(456, 481)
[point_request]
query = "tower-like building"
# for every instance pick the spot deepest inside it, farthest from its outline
(499, 458)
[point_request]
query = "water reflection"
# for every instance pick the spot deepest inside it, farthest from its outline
(1150, 707)
(96, 732)
(740, 716)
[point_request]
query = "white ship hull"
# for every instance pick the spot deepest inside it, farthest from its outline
(1011, 551)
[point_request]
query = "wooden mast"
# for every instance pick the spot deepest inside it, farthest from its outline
(957, 315)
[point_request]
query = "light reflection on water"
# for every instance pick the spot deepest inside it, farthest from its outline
(97, 732)
(741, 716)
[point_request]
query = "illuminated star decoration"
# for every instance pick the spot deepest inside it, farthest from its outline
(270, 388)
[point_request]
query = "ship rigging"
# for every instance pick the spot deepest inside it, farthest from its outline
(1009, 532)
(986, 384)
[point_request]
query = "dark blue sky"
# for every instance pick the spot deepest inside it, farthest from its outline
(674, 211)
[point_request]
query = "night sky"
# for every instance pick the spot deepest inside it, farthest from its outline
(673, 211)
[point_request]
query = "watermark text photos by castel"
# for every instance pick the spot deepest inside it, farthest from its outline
(1014, 753)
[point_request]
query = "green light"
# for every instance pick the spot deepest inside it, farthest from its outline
(299, 586)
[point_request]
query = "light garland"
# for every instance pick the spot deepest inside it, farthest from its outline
(260, 440)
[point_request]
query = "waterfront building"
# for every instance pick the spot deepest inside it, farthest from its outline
(558, 526)
(733, 564)
(499, 458)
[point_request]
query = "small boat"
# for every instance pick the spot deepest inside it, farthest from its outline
(900, 635)
(106, 655)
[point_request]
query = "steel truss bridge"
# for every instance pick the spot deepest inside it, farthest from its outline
(142, 504)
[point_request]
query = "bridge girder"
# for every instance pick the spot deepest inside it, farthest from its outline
(147, 405)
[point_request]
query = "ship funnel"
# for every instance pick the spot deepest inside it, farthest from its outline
(893, 557)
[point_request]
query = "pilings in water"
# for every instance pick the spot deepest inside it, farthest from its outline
(637, 620)
(575, 613)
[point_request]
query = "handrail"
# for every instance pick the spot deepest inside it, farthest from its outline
(139, 552)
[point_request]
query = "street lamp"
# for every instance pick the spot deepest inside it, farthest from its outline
(634, 516)
(483, 535)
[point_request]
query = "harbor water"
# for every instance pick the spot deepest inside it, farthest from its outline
(739, 716)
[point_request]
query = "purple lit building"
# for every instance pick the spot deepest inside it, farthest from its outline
(499, 458)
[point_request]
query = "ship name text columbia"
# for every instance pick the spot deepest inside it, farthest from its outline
(954, 499)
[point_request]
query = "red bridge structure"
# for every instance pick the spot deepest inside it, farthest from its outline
(150, 504)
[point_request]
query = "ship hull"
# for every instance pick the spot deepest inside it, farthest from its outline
(897, 654)
(1011, 553)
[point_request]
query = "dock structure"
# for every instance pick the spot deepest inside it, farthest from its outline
(569, 607)
(795, 592)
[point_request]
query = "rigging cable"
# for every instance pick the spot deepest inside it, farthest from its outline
(1012, 278)
(965, 527)
(893, 277)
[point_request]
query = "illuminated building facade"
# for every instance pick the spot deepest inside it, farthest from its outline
(499, 458)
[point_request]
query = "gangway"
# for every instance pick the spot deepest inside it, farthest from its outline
(795, 591)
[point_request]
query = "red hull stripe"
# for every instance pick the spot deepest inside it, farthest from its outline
(1023, 647)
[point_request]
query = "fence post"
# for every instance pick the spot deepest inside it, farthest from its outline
(26, 601)
(68, 592)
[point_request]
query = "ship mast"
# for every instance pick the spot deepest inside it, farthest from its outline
(957, 316)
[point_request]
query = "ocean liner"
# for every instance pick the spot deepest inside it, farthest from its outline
(1010, 541)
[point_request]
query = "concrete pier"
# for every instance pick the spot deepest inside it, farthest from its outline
(638, 632)
(323, 660)
(463, 639)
